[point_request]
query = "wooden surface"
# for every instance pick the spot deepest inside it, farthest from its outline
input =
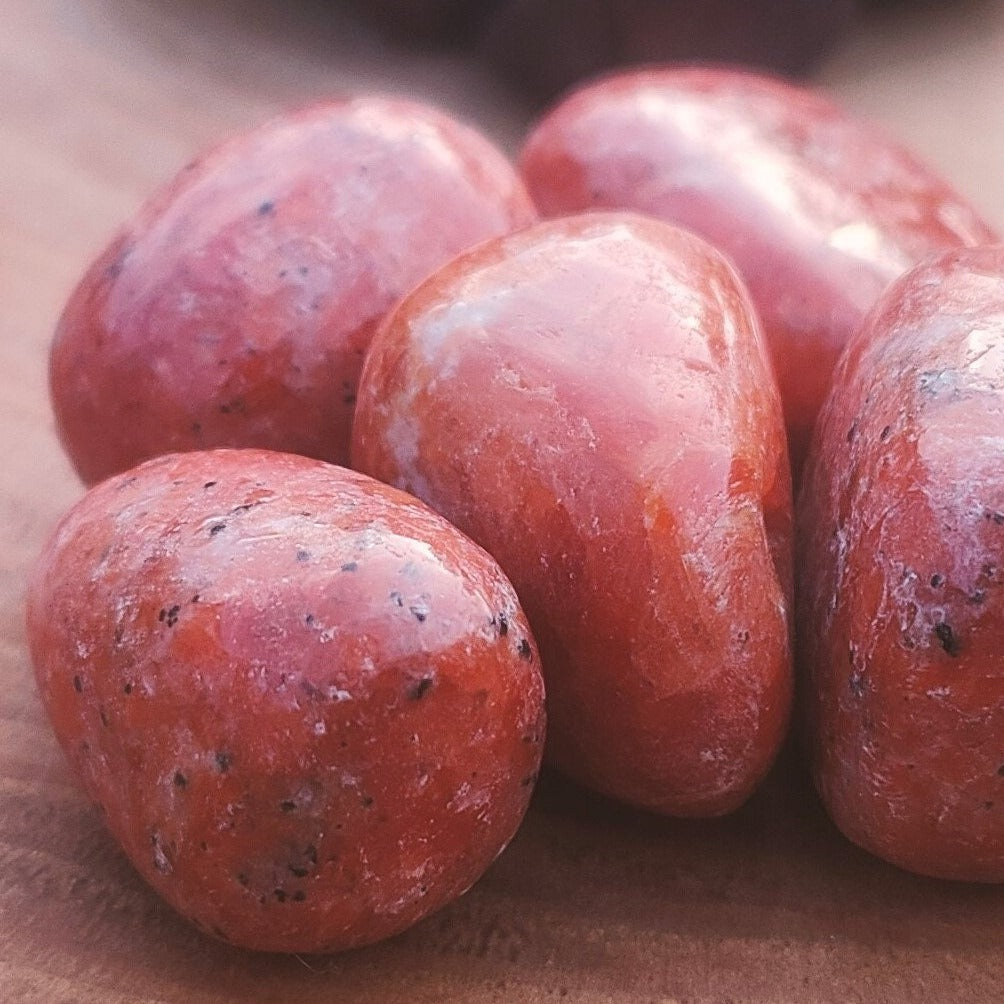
(100, 100)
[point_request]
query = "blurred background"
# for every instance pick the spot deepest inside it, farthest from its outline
(540, 47)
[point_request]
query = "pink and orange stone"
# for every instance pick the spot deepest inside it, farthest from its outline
(591, 401)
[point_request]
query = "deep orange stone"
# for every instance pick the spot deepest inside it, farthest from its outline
(901, 619)
(818, 212)
(590, 400)
(235, 309)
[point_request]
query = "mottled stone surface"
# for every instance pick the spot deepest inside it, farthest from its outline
(309, 709)
(818, 212)
(590, 400)
(235, 308)
(901, 623)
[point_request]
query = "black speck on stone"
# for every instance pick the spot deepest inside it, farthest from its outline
(937, 580)
(127, 689)
(180, 781)
(419, 689)
(280, 895)
(299, 871)
(350, 566)
(397, 598)
(309, 620)
(524, 649)
(172, 615)
(367, 801)
(267, 208)
(852, 432)
(988, 805)
(287, 805)
(419, 613)
(884, 434)
(223, 761)
(243, 879)
(947, 638)
(1000, 770)
(501, 623)
(302, 556)
(299, 896)
(303, 270)
(311, 853)
(78, 685)
(210, 484)
(349, 398)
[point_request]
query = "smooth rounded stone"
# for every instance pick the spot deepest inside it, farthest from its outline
(818, 212)
(235, 308)
(901, 615)
(309, 708)
(590, 400)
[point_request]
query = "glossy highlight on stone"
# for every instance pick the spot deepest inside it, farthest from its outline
(590, 400)
(901, 614)
(818, 212)
(310, 710)
(235, 308)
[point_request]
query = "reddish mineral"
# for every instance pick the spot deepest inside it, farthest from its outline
(309, 708)
(901, 620)
(235, 309)
(818, 213)
(590, 400)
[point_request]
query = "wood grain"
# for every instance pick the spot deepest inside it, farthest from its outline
(101, 100)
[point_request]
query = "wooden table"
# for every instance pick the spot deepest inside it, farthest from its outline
(100, 100)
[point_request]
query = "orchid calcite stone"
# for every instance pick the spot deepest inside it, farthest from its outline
(236, 307)
(310, 710)
(901, 621)
(818, 212)
(591, 401)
